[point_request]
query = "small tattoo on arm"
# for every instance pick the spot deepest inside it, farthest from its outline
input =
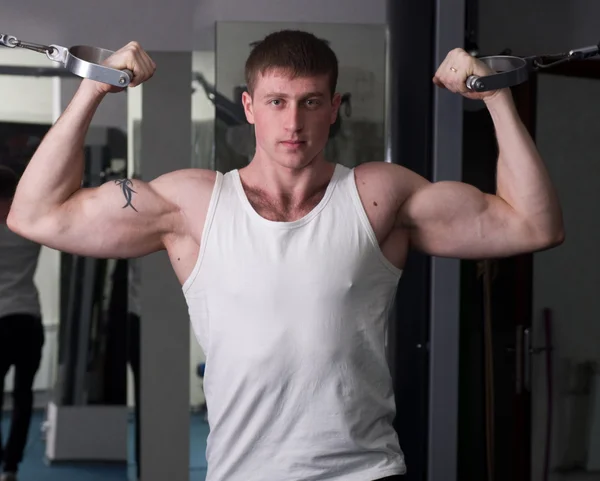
(127, 188)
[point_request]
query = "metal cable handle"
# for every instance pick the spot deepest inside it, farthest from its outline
(81, 60)
(516, 70)
(86, 62)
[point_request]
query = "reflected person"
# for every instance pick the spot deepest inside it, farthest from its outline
(21, 329)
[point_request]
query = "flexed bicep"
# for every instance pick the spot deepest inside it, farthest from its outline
(454, 219)
(121, 218)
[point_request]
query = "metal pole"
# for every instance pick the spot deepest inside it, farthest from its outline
(410, 60)
(445, 273)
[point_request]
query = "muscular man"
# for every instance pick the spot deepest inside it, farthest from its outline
(289, 266)
(21, 328)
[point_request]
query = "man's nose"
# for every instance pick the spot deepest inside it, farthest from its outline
(294, 120)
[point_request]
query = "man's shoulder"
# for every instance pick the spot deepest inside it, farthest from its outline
(194, 182)
(191, 176)
(381, 170)
(386, 179)
(190, 190)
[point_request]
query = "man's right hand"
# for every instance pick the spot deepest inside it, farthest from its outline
(131, 57)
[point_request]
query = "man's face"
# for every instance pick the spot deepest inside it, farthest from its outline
(291, 116)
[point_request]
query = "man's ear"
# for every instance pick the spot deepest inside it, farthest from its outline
(335, 107)
(248, 107)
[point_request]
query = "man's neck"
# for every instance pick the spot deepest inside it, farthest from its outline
(278, 181)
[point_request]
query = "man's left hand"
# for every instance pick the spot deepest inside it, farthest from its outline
(454, 71)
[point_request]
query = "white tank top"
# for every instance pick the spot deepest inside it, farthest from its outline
(292, 318)
(18, 263)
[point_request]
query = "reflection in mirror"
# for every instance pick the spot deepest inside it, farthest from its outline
(204, 97)
(358, 134)
(62, 345)
(528, 350)
(565, 359)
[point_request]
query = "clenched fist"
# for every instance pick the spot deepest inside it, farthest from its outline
(131, 57)
(457, 68)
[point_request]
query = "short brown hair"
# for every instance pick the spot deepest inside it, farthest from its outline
(302, 53)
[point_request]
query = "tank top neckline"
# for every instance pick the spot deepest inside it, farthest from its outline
(286, 224)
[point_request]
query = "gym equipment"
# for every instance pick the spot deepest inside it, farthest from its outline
(231, 113)
(81, 60)
(516, 70)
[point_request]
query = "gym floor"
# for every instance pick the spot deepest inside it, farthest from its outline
(34, 467)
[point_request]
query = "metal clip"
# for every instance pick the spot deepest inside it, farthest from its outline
(547, 61)
(584, 52)
(8, 40)
(12, 42)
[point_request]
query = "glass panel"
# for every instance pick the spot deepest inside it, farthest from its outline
(566, 120)
(203, 110)
(65, 309)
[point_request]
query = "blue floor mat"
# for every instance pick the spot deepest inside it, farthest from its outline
(34, 467)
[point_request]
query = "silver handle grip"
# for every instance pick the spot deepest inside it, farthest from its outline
(510, 71)
(473, 83)
(86, 62)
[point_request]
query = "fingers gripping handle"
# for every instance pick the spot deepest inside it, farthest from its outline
(87, 62)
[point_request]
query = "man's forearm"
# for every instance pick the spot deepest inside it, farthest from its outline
(522, 178)
(55, 171)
